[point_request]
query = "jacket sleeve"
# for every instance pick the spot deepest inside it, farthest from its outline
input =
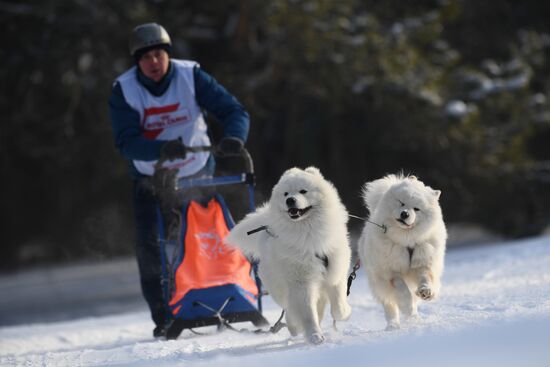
(215, 99)
(127, 130)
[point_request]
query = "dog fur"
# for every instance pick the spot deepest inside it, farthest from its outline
(404, 262)
(304, 252)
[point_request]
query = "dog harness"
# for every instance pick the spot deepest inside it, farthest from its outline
(411, 251)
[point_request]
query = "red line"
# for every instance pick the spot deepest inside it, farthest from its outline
(159, 110)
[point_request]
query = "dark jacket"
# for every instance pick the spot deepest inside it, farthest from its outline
(211, 96)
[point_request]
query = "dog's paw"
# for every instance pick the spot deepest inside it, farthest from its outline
(292, 329)
(425, 293)
(409, 312)
(414, 318)
(316, 338)
(342, 313)
(393, 325)
(346, 312)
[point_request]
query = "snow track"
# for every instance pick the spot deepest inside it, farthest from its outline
(494, 310)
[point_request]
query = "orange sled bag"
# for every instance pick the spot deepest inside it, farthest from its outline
(207, 282)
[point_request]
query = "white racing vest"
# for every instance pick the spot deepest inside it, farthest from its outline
(175, 114)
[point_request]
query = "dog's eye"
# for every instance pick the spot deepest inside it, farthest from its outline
(416, 209)
(303, 192)
(286, 193)
(402, 203)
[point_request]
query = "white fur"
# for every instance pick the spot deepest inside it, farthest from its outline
(289, 251)
(396, 279)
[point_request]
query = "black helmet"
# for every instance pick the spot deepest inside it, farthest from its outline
(148, 36)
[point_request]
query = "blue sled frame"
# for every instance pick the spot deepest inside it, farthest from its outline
(215, 305)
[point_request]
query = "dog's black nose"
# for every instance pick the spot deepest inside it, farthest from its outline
(290, 202)
(404, 214)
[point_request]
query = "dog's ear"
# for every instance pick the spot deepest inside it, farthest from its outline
(436, 194)
(314, 171)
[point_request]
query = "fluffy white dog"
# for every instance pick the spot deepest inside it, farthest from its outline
(303, 249)
(404, 259)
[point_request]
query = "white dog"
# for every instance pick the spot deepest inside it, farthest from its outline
(303, 249)
(404, 259)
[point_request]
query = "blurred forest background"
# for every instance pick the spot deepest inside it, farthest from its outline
(454, 91)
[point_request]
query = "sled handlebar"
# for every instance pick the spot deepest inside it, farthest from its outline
(244, 154)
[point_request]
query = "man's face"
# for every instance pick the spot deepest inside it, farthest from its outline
(154, 64)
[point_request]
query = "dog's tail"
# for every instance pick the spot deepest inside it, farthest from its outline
(248, 233)
(374, 190)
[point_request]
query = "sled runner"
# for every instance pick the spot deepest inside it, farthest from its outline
(206, 282)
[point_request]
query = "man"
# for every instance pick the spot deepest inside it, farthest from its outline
(156, 112)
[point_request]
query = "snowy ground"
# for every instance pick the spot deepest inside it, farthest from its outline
(494, 310)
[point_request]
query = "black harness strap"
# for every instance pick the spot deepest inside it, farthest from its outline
(262, 228)
(275, 328)
(353, 275)
(324, 259)
(272, 330)
(411, 251)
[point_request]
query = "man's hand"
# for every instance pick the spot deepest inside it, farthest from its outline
(173, 149)
(230, 146)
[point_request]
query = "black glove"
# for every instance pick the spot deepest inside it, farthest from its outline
(173, 149)
(230, 146)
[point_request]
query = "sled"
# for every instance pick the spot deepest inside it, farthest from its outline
(205, 282)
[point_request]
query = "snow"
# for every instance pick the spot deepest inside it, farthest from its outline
(458, 109)
(494, 310)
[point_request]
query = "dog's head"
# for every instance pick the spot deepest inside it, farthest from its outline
(298, 193)
(410, 204)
